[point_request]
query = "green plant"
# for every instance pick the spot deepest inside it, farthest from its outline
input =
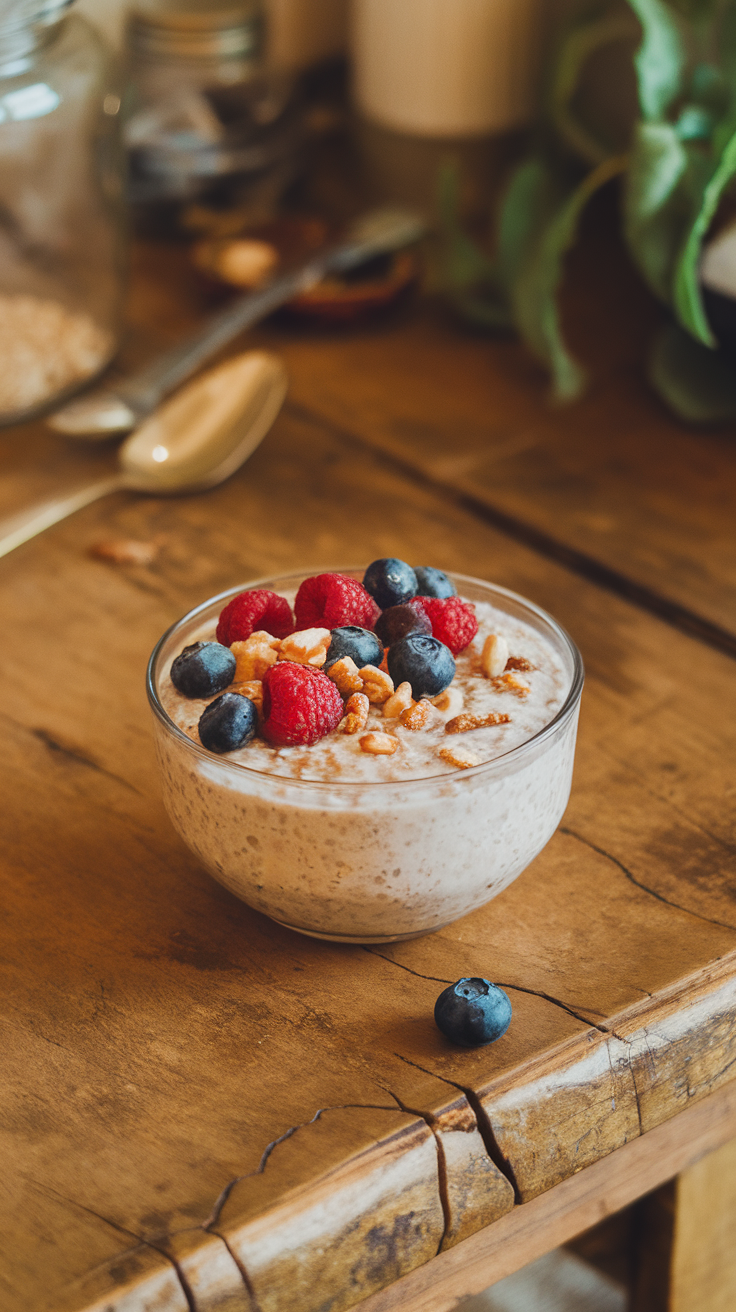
(681, 159)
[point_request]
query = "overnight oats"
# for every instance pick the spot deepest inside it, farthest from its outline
(366, 755)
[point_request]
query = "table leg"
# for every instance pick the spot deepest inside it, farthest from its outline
(687, 1240)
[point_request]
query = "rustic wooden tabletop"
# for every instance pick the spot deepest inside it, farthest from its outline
(204, 1111)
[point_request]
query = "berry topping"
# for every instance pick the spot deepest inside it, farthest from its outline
(359, 644)
(203, 669)
(390, 581)
(423, 662)
(228, 723)
(255, 610)
(399, 621)
(329, 601)
(433, 583)
(453, 621)
(300, 705)
(473, 1012)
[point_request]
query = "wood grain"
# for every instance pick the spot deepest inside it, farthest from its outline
(163, 1041)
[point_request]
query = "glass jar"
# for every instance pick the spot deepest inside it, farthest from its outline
(61, 206)
(208, 121)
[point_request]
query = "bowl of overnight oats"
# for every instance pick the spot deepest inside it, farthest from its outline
(366, 755)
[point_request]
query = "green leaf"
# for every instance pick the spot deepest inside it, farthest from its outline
(582, 39)
(661, 57)
(531, 198)
(539, 225)
(464, 263)
(688, 300)
(468, 275)
(655, 210)
(698, 384)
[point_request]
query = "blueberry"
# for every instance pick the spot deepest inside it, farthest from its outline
(228, 723)
(473, 1012)
(390, 582)
(399, 621)
(203, 669)
(360, 644)
(424, 662)
(433, 583)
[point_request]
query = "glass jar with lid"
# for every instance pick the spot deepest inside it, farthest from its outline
(61, 206)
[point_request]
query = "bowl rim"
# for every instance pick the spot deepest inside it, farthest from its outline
(497, 765)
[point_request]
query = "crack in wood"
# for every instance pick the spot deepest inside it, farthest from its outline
(78, 756)
(551, 548)
(515, 988)
(722, 924)
(213, 1219)
(130, 1234)
(250, 1291)
(435, 978)
(70, 753)
(222, 1198)
(442, 1186)
(485, 1129)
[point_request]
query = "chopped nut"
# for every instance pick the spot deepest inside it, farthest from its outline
(519, 663)
(463, 723)
(384, 661)
(252, 689)
(254, 656)
(377, 684)
(418, 716)
(344, 674)
(399, 701)
(494, 655)
(449, 702)
(379, 744)
(308, 647)
(124, 551)
(356, 713)
(507, 683)
(459, 757)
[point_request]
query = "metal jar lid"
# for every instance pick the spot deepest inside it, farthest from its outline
(194, 30)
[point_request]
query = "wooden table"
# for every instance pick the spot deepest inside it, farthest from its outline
(201, 1110)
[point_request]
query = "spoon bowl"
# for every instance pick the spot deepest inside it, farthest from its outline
(194, 441)
(205, 431)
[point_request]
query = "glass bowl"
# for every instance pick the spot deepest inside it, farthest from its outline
(368, 862)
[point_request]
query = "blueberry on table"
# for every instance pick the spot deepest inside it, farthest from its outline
(424, 662)
(390, 582)
(360, 645)
(399, 621)
(203, 669)
(473, 1012)
(433, 583)
(228, 723)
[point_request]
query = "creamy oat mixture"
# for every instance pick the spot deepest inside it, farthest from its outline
(530, 697)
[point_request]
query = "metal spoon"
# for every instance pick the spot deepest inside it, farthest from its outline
(121, 407)
(192, 442)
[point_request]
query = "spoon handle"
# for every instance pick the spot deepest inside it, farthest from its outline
(144, 392)
(21, 528)
(124, 404)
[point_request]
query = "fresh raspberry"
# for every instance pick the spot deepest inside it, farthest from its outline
(300, 705)
(251, 611)
(329, 601)
(453, 621)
